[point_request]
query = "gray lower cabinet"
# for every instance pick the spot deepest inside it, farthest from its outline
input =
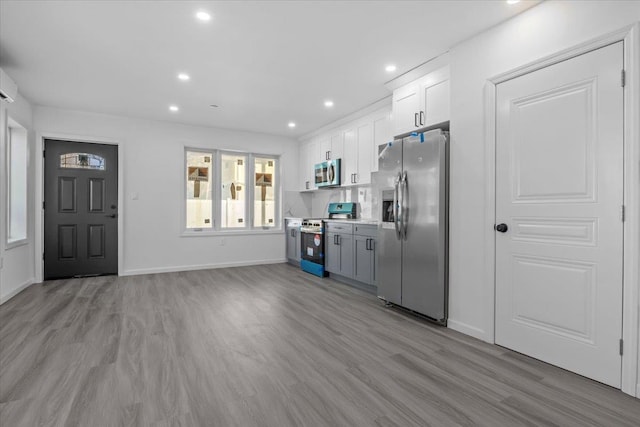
(292, 228)
(338, 248)
(350, 251)
(364, 241)
(339, 254)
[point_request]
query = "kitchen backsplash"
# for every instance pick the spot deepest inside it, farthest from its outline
(320, 200)
(315, 204)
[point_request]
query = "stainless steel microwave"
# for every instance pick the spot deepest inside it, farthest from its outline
(327, 174)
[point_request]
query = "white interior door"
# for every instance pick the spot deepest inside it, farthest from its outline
(559, 189)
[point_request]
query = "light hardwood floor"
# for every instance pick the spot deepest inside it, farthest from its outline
(265, 346)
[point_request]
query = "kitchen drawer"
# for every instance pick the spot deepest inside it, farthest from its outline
(367, 230)
(339, 227)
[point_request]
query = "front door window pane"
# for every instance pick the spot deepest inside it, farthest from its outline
(264, 214)
(199, 180)
(82, 161)
(233, 195)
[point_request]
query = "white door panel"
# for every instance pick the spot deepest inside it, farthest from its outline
(559, 189)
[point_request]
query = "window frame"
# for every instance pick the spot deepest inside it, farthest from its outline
(12, 124)
(216, 195)
(185, 171)
(247, 176)
(277, 192)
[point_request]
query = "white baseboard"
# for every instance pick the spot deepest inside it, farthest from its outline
(176, 268)
(468, 330)
(16, 291)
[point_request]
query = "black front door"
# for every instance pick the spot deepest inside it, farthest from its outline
(80, 211)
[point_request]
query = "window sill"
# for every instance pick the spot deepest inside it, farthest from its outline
(16, 244)
(219, 233)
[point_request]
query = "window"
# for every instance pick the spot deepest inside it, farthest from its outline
(17, 163)
(81, 161)
(199, 185)
(264, 200)
(233, 200)
(231, 191)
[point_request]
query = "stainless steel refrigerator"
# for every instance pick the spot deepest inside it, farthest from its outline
(412, 192)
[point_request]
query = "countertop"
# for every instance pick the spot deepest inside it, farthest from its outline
(363, 221)
(354, 221)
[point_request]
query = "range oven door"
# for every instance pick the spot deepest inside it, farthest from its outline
(312, 246)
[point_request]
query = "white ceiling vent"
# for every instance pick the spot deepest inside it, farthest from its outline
(8, 88)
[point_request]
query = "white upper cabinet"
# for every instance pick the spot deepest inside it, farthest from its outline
(364, 137)
(309, 154)
(361, 146)
(324, 142)
(350, 158)
(382, 134)
(421, 103)
(355, 143)
(331, 146)
(337, 145)
(406, 105)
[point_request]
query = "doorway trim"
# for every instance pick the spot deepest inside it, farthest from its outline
(630, 36)
(39, 195)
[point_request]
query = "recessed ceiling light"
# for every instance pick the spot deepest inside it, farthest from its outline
(328, 103)
(184, 77)
(203, 16)
(513, 1)
(173, 108)
(390, 68)
(291, 125)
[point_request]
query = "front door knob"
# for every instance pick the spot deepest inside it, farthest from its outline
(502, 228)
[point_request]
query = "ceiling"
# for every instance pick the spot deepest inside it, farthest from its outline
(264, 63)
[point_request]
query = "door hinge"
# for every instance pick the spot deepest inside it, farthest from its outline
(42, 205)
(622, 213)
(623, 80)
(621, 346)
(43, 151)
(43, 256)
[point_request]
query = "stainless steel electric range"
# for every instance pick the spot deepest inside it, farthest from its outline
(312, 237)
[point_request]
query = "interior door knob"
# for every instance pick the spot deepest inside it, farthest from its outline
(502, 228)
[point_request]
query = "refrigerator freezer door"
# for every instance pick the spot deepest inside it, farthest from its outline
(389, 248)
(424, 251)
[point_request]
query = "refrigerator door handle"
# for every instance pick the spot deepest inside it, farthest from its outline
(405, 210)
(396, 205)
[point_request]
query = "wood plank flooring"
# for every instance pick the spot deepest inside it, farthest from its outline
(265, 346)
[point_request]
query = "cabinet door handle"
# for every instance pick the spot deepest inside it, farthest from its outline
(355, 178)
(415, 119)
(306, 185)
(421, 118)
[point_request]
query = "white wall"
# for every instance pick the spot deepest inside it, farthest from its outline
(152, 154)
(541, 31)
(17, 270)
